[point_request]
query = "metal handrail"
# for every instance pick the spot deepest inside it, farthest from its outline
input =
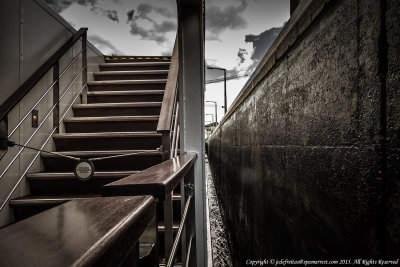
(41, 148)
(175, 133)
(45, 94)
(27, 86)
(166, 113)
(40, 125)
(179, 234)
(26, 171)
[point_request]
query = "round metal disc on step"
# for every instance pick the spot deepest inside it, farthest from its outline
(84, 170)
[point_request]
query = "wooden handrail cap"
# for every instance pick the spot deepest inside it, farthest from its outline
(84, 232)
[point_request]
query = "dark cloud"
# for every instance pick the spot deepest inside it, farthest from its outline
(103, 44)
(112, 14)
(262, 42)
(219, 19)
(158, 30)
(144, 9)
(130, 15)
(61, 5)
(241, 53)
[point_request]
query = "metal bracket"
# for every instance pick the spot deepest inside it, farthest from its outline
(3, 134)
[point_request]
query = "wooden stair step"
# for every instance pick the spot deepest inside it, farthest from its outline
(120, 85)
(107, 141)
(130, 75)
(111, 124)
(39, 200)
(133, 59)
(117, 109)
(67, 183)
(54, 163)
(125, 96)
(28, 206)
(135, 66)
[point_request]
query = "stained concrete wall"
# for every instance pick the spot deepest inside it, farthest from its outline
(306, 163)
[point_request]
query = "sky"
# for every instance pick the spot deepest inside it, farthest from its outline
(238, 34)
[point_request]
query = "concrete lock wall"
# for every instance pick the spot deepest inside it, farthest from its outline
(306, 162)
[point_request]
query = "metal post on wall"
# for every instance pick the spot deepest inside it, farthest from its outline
(225, 102)
(216, 114)
(84, 65)
(56, 95)
(191, 101)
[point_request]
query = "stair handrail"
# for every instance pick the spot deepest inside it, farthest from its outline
(24, 89)
(16, 97)
(168, 123)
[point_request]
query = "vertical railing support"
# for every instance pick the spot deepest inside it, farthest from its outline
(166, 143)
(3, 134)
(56, 95)
(84, 65)
(168, 224)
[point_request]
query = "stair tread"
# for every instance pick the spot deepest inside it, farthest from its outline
(118, 105)
(71, 175)
(106, 134)
(131, 64)
(129, 72)
(147, 81)
(47, 199)
(113, 118)
(131, 92)
(100, 153)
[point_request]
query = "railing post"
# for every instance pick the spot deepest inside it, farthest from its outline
(168, 224)
(84, 65)
(56, 95)
(3, 134)
(183, 238)
(166, 143)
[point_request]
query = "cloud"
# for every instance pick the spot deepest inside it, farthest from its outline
(157, 30)
(61, 5)
(130, 15)
(241, 54)
(220, 19)
(112, 14)
(262, 41)
(105, 46)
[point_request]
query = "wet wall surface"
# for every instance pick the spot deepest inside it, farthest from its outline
(308, 165)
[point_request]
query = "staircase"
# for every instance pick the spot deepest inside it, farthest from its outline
(120, 117)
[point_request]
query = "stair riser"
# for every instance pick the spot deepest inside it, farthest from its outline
(126, 111)
(130, 77)
(127, 87)
(96, 144)
(67, 186)
(129, 163)
(133, 68)
(106, 126)
(124, 98)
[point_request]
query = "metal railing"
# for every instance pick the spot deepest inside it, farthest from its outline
(52, 63)
(178, 237)
(168, 123)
